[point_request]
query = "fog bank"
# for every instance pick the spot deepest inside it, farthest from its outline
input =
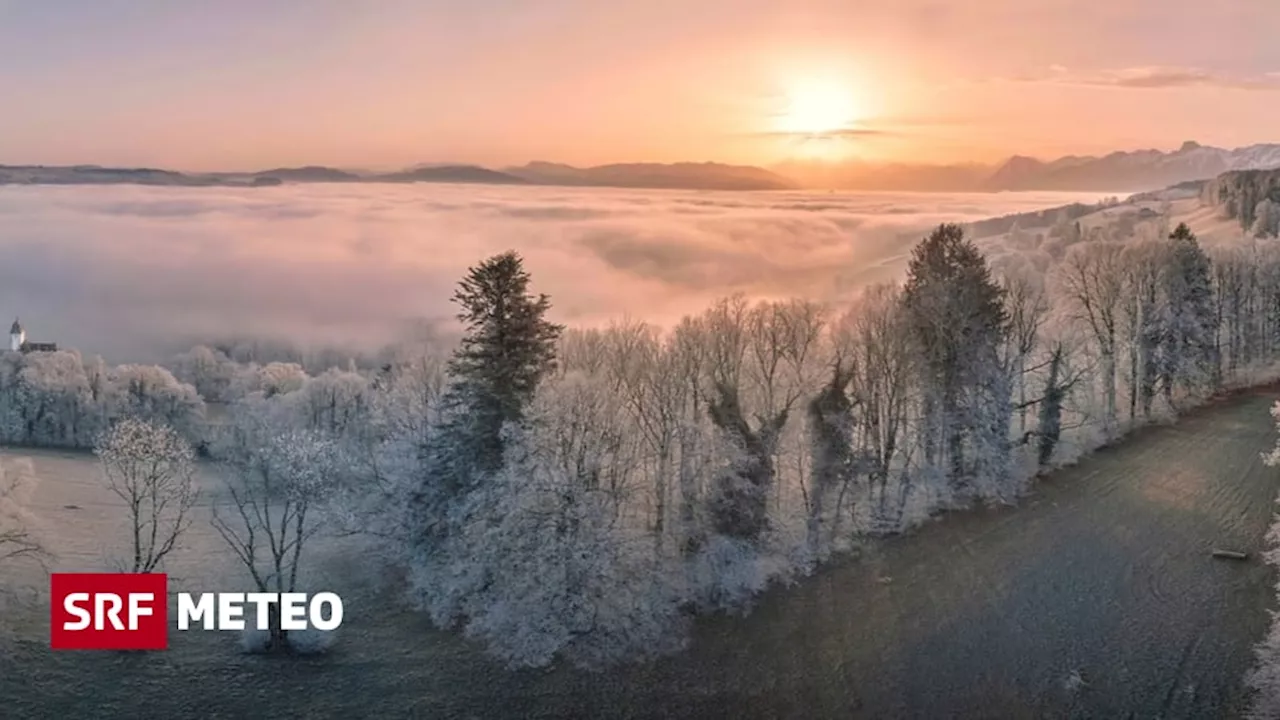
(135, 272)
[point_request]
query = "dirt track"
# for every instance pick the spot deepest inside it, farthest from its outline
(1096, 598)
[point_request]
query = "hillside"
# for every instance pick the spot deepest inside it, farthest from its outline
(310, 173)
(1236, 195)
(449, 174)
(95, 175)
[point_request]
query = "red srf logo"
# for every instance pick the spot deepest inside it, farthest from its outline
(108, 611)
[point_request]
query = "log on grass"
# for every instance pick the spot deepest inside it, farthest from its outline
(1230, 555)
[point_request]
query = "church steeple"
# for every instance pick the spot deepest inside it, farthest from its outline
(17, 336)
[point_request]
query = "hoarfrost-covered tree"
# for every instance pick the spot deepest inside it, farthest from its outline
(1272, 457)
(882, 351)
(1027, 306)
(53, 400)
(1060, 380)
(758, 361)
(508, 348)
(1091, 281)
(833, 459)
(16, 540)
(151, 468)
(210, 372)
(404, 414)
(687, 359)
(279, 482)
(152, 393)
(646, 368)
(1266, 223)
(275, 378)
(548, 564)
(959, 324)
(738, 503)
(1191, 352)
(1147, 321)
(336, 403)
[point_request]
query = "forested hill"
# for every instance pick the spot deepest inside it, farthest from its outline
(1251, 197)
(1036, 218)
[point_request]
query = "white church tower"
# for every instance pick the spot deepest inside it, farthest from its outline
(17, 336)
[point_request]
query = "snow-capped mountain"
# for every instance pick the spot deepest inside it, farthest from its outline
(1131, 171)
(1117, 172)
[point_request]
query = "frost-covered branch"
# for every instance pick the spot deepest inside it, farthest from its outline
(152, 470)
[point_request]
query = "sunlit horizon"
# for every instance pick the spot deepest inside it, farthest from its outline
(246, 86)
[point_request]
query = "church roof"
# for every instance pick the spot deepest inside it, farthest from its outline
(16, 328)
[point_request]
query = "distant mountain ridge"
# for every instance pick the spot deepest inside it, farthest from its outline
(1118, 172)
(680, 176)
(449, 174)
(1131, 171)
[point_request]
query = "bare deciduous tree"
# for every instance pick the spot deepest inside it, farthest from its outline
(16, 540)
(1092, 280)
(152, 469)
(877, 339)
(278, 480)
(757, 358)
(1028, 309)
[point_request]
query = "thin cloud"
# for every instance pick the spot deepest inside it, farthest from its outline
(862, 129)
(835, 134)
(1154, 78)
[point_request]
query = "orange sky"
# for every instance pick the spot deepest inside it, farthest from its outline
(244, 84)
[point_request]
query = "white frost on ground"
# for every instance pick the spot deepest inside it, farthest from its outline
(1264, 679)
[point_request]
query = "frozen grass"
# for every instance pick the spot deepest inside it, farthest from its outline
(1264, 679)
(301, 642)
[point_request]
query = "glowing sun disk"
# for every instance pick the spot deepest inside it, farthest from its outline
(818, 108)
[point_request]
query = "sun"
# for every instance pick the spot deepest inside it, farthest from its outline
(818, 108)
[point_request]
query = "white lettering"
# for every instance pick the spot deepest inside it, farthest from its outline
(136, 610)
(335, 611)
(264, 602)
(71, 604)
(293, 611)
(229, 611)
(112, 613)
(189, 612)
(323, 612)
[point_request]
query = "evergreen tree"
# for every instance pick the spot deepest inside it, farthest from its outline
(1190, 353)
(508, 348)
(959, 322)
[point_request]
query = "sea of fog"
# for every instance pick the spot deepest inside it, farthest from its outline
(134, 273)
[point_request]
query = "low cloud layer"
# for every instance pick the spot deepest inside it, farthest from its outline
(135, 272)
